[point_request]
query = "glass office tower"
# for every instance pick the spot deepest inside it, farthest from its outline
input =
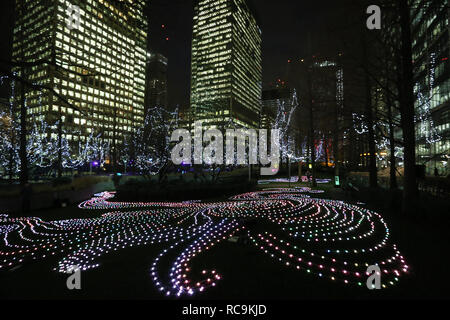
(431, 52)
(226, 84)
(93, 54)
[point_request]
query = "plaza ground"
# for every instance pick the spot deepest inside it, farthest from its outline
(247, 273)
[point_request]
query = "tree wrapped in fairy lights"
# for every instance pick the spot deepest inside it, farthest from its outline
(151, 143)
(42, 144)
(9, 158)
(284, 123)
(93, 149)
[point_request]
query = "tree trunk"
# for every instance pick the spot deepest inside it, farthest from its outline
(300, 164)
(23, 118)
(392, 163)
(13, 143)
(407, 112)
(373, 175)
(336, 140)
(60, 144)
(311, 130)
(393, 184)
(10, 167)
(114, 142)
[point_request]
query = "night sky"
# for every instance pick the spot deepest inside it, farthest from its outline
(284, 23)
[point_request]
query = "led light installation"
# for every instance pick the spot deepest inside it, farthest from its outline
(329, 239)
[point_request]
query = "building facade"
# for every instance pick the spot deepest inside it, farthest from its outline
(327, 95)
(226, 79)
(431, 52)
(156, 81)
(93, 54)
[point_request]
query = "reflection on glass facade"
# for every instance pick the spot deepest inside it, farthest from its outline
(98, 66)
(226, 82)
(430, 29)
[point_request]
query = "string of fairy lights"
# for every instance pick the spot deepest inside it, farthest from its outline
(328, 239)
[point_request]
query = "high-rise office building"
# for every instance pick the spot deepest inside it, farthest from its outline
(156, 82)
(226, 82)
(431, 52)
(326, 94)
(92, 53)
